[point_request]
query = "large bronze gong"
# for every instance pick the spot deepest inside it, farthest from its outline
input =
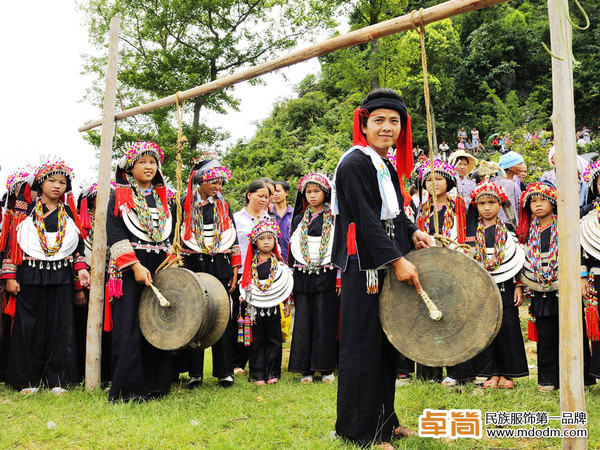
(197, 315)
(464, 292)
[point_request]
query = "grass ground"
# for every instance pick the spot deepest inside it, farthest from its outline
(285, 415)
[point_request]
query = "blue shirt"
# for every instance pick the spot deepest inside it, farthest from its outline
(284, 223)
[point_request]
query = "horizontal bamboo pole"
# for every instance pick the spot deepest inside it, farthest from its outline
(403, 23)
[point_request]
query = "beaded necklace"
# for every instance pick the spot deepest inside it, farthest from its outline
(499, 242)
(427, 212)
(143, 211)
(313, 266)
(263, 285)
(41, 228)
(534, 245)
(197, 224)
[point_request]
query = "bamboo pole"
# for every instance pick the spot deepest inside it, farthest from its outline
(96, 306)
(572, 397)
(403, 23)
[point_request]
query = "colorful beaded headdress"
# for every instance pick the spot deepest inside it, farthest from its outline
(136, 150)
(264, 226)
(537, 189)
(53, 166)
(590, 174)
(316, 178)
(123, 195)
(441, 168)
(17, 177)
(489, 189)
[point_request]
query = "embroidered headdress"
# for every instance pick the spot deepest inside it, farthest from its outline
(315, 178)
(441, 168)
(17, 198)
(264, 226)
(52, 165)
(537, 189)
(133, 152)
(206, 168)
(590, 175)
(404, 156)
(491, 190)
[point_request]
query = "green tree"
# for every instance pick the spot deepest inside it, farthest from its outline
(173, 45)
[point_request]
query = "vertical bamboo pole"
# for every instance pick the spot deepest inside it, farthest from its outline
(572, 397)
(96, 306)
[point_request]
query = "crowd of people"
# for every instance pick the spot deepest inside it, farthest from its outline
(323, 259)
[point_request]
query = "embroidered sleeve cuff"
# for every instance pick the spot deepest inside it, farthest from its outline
(338, 279)
(9, 270)
(79, 264)
(123, 254)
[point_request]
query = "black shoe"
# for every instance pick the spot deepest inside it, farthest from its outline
(226, 382)
(195, 382)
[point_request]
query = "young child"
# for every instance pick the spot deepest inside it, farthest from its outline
(266, 283)
(210, 245)
(498, 251)
(137, 228)
(15, 201)
(590, 269)
(314, 343)
(452, 224)
(39, 273)
(537, 231)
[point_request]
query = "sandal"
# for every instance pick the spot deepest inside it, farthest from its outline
(328, 378)
(506, 384)
(401, 432)
(490, 383)
(260, 383)
(58, 391)
(30, 390)
(306, 379)
(449, 382)
(548, 388)
(272, 380)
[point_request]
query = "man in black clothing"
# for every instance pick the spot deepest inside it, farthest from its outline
(372, 231)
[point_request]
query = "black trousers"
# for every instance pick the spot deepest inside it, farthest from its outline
(42, 348)
(265, 350)
(367, 365)
(314, 340)
(138, 368)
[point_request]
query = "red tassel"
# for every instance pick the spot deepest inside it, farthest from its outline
(461, 220)
(162, 194)
(358, 138)
(73, 208)
(351, 239)
(523, 226)
(591, 322)
(14, 250)
(123, 197)
(247, 274)
(187, 208)
(11, 306)
(532, 331)
(27, 193)
(86, 221)
(5, 229)
(108, 323)
(404, 151)
(405, 195)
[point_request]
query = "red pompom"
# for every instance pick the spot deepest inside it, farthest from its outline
(591, 322)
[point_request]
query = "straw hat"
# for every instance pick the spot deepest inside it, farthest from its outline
(471, 160)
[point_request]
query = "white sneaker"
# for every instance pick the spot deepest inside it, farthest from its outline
(328, 378)
(306, 379)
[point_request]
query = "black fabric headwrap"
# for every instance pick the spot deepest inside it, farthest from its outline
(386, 103)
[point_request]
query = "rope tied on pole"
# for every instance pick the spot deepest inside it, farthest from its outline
(175, 257)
